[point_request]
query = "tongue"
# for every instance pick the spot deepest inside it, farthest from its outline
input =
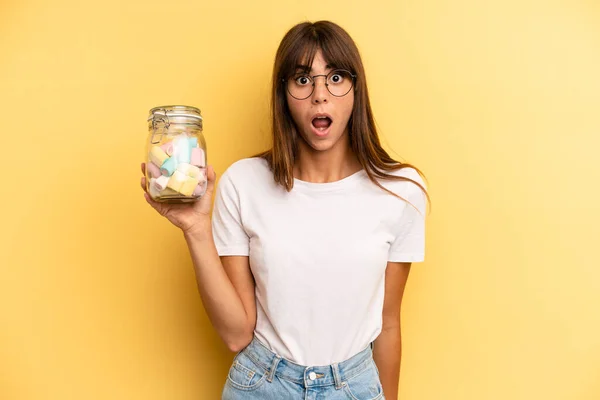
(321, 122)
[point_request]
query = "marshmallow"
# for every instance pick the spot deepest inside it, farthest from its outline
(153, 170)
(182, 150)
(199, 190)
(169, 192)
(154, 192)
(203, 175)
(188, 186)
(168, 148)
(191, 170)
(198, 157)
(176, 180)
(161, 182)
(157, 155)
(193, 142)
(169, 166)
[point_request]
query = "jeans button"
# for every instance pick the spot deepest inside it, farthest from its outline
(312, 376)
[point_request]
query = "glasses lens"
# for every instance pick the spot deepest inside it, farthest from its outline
(300, 86)
(339, 82)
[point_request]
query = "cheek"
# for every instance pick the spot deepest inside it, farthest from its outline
(295, 108)
(347, 107)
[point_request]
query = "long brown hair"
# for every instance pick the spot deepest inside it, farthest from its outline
(301, 43)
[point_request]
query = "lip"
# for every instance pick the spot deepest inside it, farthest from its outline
(318, 132)
(317, 115)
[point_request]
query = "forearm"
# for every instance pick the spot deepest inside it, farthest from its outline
(387, 352)
(219, 297)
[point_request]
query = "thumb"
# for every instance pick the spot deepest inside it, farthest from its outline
(211, 177)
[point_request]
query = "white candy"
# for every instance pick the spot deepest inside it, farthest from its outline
(161, 182)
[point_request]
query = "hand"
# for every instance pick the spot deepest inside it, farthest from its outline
(189, 217)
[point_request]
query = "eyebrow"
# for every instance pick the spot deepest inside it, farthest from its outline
(306, 69)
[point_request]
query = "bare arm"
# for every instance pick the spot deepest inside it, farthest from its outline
(226, 286)
(387, 350)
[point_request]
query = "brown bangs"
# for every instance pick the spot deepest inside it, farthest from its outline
(304, 49)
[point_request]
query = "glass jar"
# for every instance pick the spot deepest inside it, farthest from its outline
(176, 155)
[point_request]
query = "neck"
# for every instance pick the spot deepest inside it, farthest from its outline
(326, 166)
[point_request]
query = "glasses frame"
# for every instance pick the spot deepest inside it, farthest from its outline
(286, 83)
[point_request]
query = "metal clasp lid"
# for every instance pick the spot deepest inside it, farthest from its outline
(159, 116)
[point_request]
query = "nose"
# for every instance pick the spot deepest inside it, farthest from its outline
(321, 93)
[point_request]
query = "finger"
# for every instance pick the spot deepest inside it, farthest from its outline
(144, 168)
(143, 183)
(211, 177)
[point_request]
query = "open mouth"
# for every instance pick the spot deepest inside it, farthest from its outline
(321, 123)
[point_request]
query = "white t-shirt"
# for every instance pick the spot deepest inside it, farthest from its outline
(318, 254)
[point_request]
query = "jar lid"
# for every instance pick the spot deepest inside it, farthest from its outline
(175, 111)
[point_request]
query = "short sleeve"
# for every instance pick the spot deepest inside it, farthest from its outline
(409, 244)
(228, 231)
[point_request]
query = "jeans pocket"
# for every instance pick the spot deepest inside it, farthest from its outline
(365, 385)
(244, 374)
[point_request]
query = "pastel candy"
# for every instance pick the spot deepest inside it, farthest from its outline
(161, 182)
(157, 155)
(176, 180)
(203, 176)
(169, 192)
(198, 157)
(199, 190)
(154, 192)
(193, 142)
(153, 170)
(188, 186)
(168, 148)
(169, 166)
(190, 170)
(182, 150)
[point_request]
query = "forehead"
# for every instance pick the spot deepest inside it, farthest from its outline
(318, 63)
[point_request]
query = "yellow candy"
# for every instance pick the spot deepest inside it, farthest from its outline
(168, 192)
(176, 181)
(188, 186)
(158, 156)
(190, 170)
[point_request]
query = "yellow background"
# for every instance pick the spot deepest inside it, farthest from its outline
(496, 101)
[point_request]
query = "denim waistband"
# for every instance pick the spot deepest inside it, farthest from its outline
(336, 373)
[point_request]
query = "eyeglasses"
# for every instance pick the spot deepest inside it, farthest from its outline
(338, 82)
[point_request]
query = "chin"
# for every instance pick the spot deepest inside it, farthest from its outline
(323, 144)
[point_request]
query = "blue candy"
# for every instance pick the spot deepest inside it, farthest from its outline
(169, 166)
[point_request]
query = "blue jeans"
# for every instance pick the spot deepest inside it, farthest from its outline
(258, 373)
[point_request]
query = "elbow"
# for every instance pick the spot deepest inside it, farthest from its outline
(240, 343)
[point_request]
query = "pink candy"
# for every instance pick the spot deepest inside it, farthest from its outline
(198, 157)
(168, 148)
(199, 190)
(153, 170)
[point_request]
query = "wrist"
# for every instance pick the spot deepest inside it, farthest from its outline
(201, 232)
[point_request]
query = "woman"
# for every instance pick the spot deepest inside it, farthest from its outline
(302, 268)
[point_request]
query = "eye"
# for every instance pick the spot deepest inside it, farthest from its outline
(337, 77)
(302, 80)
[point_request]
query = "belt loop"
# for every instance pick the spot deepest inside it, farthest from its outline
(336, 376)
(273, 368)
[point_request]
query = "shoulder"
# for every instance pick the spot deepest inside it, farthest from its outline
(407, 188)
(247, 169)
(406, 185)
